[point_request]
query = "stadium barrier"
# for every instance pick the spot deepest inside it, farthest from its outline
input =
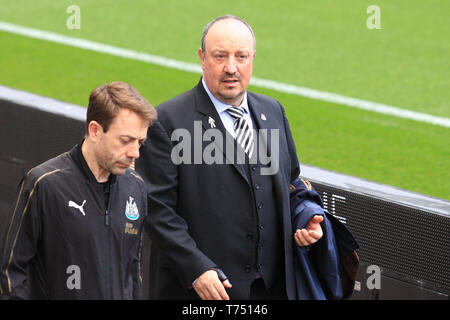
(404, 236)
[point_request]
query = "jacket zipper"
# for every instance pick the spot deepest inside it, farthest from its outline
(108, 251)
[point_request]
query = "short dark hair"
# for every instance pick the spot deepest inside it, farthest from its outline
(106, 100)
(226, 16)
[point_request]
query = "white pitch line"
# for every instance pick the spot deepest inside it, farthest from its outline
(258, 82)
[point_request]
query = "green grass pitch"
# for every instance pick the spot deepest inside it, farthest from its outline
(324, 45)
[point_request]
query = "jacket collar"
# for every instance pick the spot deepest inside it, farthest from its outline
(81, 163)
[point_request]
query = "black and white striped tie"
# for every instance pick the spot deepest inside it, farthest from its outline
(244, 133)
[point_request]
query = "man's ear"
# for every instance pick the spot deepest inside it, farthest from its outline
(202, 57)
(94, 130)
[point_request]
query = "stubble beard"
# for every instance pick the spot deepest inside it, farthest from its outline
(232, 99)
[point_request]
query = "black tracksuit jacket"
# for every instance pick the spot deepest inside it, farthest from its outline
(63, 241)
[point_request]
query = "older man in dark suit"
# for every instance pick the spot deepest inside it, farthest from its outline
(218, 165)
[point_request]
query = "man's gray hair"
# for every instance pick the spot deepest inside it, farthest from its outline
(226, 16)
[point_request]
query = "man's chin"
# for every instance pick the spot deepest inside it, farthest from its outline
(118, 171)
(230, 97)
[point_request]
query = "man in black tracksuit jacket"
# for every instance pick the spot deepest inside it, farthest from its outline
(73, 235)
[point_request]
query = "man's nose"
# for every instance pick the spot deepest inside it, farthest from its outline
(133, 151)
(230, 66)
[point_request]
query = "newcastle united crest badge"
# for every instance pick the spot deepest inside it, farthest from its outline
(131, 211)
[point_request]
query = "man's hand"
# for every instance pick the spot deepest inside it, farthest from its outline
(209, 287)
(310, 235)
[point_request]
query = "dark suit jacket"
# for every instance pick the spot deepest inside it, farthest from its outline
(191, 206)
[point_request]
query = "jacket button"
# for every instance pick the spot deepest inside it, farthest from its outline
(257, 187)
(249, 236)
(253, 168)
(261, 227)
(259, 267)
(260, 206)
(247, 268)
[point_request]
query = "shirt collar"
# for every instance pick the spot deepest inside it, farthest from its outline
(222, 107)
(80, 161)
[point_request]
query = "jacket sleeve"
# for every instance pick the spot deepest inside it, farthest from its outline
(168, 230)
(335, 255)
(137, 263)
(295, 166)
(19, 240)
(137, 270)
(328, 269)
(317, 267)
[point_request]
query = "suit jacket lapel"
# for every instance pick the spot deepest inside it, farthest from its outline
(207, 110)
(261, 119)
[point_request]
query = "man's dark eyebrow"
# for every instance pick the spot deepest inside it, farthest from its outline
(133, 137)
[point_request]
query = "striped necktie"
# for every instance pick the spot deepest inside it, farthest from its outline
(244, 134)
